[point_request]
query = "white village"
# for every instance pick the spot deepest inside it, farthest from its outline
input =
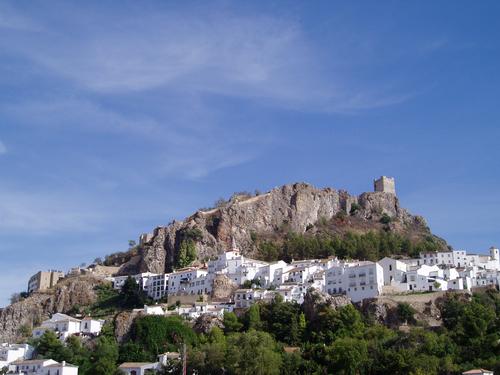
(188, 292)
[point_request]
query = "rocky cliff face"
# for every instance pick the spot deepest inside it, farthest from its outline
(298, 207)
(316, 301)
(31, 311)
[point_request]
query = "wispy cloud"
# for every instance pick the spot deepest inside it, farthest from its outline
(179, 60)
(3, 148)
(187, 140)
(250, 56)
(44, 213)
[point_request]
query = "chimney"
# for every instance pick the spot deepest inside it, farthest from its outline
(63, 363)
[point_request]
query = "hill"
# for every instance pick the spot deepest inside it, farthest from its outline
(266, 225)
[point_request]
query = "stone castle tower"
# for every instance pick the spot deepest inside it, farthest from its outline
(385, 184)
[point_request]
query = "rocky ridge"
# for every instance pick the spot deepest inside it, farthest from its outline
(297, 206)
(29, 312)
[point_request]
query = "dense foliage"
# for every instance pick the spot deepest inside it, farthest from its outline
(186, 254)
(370, 246)
(277, 338)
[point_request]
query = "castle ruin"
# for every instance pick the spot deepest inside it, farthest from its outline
(385, 185)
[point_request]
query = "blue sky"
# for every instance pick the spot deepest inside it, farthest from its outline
(116, 118)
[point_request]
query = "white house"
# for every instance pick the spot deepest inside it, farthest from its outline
(456, 284)
(273, 273)
(199, 285)
(247, 271)
(358, 280)
(141, 279)
(479, 371)
(179, 281)
(244, 298)
(13, 352)
(42, 367)
(61, 368)
(318, 280)
(31, 366)
(394, 270)
(460, 259)
(301, 273)
(89, 326)
(292, 292)
(137, 368)
(423, 280)
(158, 286)
(63, 325)
(165, 358)
(153, 310)
(226, 262)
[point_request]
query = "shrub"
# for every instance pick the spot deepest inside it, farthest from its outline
(193, 234)
(354, 208)
(406, 313)
(187, 253)
(385, 219)
(158, 334)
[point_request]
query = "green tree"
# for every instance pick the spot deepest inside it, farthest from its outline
(132, 295)
(252, 352)
(231, 322)
(49, 346)
(158, 334)
(104, 357)
(187, 253)
(331, 324)
(348, 356)
(282, 321)
(302, 323)
(354, 208)
(210, 357)
(385, 219)
(253, 317)
(406, 313)
(294, 363)
(132, 352)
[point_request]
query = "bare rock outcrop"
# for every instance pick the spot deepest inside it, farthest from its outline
(295, 207)
(123, 324)
(383, 311)
(29, 312)
(223, 288)
(206, 322)
(315, 301)
(427, 306)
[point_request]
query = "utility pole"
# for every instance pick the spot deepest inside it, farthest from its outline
(184, 360)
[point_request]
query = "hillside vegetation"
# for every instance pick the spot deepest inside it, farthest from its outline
(282, 338)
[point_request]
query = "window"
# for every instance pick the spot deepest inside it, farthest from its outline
(390, 267)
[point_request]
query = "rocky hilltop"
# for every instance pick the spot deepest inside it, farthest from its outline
(299, 207)
(241, 221)
(28, 313)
